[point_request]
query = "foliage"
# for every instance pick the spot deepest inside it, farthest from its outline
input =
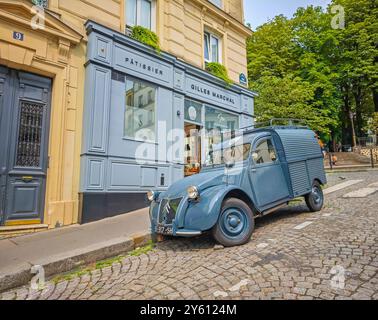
(219, 71)
(372, 124)
(304, 68)
(289, 97)
(375, 123)
(146, 36)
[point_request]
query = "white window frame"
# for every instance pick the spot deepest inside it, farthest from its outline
(219, 39)
(138, 16)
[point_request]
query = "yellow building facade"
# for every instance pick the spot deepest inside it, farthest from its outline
(180, 25)
(57, 51)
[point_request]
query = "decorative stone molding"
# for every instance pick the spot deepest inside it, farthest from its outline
(64, 50)
(204, 10)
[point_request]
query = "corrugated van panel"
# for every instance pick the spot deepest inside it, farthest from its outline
(299, 178)
(316, 170)
(299, 144)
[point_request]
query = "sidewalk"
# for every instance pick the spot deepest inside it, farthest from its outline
(351, 168)
(61, 250)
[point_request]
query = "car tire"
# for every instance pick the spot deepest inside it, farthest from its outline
(235, 224)
(315, 199)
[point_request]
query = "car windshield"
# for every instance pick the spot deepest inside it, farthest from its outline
(233, 154)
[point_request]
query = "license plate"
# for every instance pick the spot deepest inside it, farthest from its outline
(167, 230)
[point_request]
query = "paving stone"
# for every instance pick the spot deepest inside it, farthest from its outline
(298, 264)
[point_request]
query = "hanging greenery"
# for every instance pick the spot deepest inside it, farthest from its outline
(219, 71)
(146, 36)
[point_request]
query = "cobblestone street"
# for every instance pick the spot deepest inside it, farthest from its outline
(293, 254)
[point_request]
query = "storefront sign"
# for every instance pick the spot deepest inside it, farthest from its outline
(216, 95)
(128, 60)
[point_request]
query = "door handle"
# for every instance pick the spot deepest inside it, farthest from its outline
(254, 170)
(27, 178)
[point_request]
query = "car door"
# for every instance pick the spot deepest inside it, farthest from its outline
(268, 180)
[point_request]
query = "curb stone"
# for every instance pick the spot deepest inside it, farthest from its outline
(68, 261)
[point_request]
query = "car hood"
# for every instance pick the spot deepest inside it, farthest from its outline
(202, 181)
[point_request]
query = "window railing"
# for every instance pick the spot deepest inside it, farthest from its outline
(41, 3)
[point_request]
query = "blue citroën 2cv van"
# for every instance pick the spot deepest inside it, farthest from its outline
(248, 176)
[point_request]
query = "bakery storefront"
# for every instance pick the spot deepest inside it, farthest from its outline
(149, 120)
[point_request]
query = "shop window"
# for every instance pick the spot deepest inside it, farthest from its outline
(212, 47)
(140, 111)
(140, 13)
(220, 120)
(220, 126)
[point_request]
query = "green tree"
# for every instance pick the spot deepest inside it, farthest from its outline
(289, 97)
(303, 68)
(357, 62)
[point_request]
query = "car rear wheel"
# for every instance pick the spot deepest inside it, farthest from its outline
(315, 199)
(235, 224)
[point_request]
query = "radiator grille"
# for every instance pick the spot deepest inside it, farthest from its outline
(168, 210)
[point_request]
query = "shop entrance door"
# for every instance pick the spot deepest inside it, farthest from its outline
(24, 131)
(192, 149)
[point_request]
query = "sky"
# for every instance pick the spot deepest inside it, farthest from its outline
(258, 12)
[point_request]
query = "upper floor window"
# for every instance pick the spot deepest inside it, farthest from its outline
(212, 48)
(41, 3)
(218, 3)
(140, 13)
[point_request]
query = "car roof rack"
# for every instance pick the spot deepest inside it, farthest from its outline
(277, 123)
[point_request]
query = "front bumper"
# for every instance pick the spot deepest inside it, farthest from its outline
(168, 220)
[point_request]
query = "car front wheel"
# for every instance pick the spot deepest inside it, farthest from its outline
(235, 225)
(315, 199)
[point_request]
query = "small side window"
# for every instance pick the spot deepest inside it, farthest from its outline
(265, 152)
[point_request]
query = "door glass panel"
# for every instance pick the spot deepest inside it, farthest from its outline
(192, 149)
(265, 153)
(29, 135)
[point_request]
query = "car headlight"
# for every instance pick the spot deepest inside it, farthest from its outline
(151, 195)
(192, 192)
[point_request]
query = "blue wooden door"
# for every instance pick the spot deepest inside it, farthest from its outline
(24, 129)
